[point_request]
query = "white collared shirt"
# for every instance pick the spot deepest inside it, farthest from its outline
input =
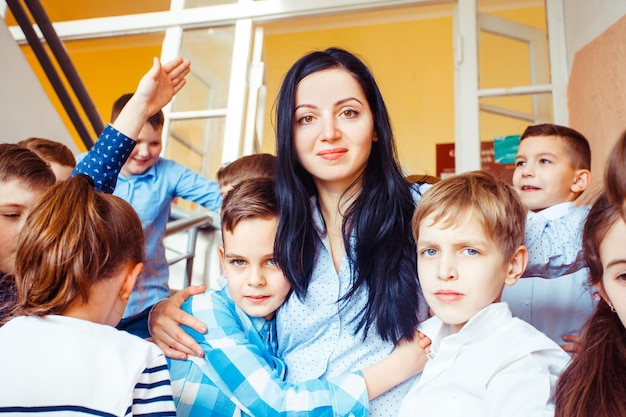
(497, 365)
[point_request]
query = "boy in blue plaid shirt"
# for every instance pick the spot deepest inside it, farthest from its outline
(240, 372)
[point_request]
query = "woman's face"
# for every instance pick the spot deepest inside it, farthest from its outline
(333, 128)
(613, 259)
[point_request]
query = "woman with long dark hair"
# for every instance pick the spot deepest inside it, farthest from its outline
(344, 238)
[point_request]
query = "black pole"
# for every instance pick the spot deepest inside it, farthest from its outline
(46, 64)
(63, 58)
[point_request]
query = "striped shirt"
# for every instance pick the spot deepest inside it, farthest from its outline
(61, 366)
(240, 374)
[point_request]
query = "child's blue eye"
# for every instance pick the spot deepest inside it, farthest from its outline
(429, 252)
(471, 251)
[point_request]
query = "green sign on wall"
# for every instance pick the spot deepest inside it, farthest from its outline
(505, 149)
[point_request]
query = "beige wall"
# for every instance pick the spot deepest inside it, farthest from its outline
(25, 109)
(597, 93)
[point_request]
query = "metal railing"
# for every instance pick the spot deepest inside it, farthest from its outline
(191, 223)
(62, 58)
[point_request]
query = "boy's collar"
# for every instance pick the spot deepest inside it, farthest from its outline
(475, 327)
(557, 211)
(150, 172)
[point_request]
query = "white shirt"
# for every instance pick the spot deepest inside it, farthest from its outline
(497, 365)
(62, 365)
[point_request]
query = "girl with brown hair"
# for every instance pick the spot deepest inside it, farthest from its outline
(593, 383)
(77, 260)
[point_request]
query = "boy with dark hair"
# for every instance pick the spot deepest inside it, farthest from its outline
(240, 371)
(150, 184)
(552, 169)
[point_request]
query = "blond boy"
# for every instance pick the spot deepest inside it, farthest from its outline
(469, 231)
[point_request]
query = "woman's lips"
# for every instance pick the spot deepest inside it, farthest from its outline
(332, 154)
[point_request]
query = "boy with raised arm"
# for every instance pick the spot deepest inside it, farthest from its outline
(150, 183)
(24, 176)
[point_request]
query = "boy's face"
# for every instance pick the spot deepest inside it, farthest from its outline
(611, 252)
(146, 152)
(544, 175)
(461, 269)
(255, 282)
(16, 201)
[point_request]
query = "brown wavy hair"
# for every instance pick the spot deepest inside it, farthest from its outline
(50, 150)
(593, 383)
(21, 164)
(74, 237)
(615, 174)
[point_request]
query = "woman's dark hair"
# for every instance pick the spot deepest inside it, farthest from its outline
(593, 383)
(384, 258)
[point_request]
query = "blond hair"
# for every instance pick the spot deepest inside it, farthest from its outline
(489, 200)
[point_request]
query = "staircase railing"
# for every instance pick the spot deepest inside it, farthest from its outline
(191, 223)
(63, 60)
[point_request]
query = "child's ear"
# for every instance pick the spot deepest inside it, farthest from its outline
(222, 261)
(129, 281)
(582, 179)
(516, 265)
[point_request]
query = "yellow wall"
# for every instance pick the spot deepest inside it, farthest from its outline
(108, 67)
(412, 62)
(413, 65)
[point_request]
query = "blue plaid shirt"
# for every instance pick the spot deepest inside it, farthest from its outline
(240, 374)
